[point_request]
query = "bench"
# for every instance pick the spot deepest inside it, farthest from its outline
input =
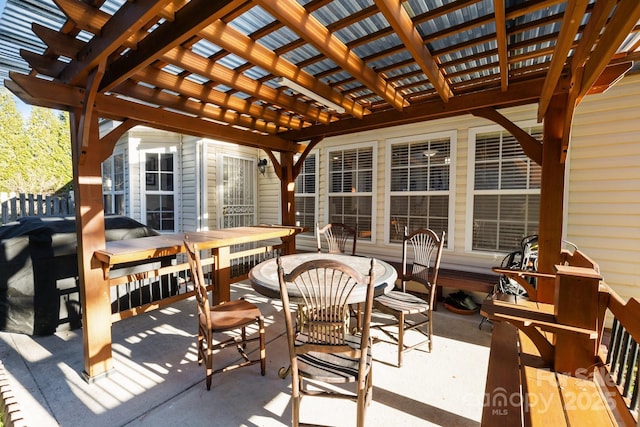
(524, 389)
(459, 279)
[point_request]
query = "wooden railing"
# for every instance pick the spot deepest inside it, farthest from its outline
(559, 353)
(139, 292)
(14, 206)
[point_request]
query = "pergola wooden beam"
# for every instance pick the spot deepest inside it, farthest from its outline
(239, 44)
(309, 28)
(501, 37)
(519, 93)
(197, 64)
(398, 18)
(69, 97)
(130, 18)
(200, 109)
(58, 43)
(625, 18)
(193, 17)
(572, 19)
(207, 94)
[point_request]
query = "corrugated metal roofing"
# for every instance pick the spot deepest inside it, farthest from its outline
(460, 37)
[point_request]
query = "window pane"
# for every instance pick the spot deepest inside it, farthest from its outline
(487, 146)
(119, 204)
(365, 182)
(153, 211)
(167, 181)
(151, 162)
(166, 162)
(486, 176)
(399, 156)
(399, 179)
(418, 179)
(439, 178)
(514, 174)
(118, 172)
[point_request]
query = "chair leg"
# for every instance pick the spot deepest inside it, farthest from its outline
(400, 338)
(362, 409)
(209, 366)
(263, 351)
(295, 399)
(200, 345)
(430, 332)
(244, 338)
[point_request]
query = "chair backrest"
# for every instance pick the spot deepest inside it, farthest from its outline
(426, 247)
(197, 276)
(323, 289)
(337, 235)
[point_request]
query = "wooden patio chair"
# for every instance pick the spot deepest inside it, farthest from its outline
(320, 347)
(224, 317)
(337, 235)
(426, 247)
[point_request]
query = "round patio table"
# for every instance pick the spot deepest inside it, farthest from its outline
(264, 276)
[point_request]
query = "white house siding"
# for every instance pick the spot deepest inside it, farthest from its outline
(603, 215)
(190, 184)
(268, 194)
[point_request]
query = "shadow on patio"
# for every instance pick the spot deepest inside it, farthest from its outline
(156, 380)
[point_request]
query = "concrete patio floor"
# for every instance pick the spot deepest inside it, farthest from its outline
(157, 382)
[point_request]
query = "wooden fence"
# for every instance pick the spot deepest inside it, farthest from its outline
(14, 206)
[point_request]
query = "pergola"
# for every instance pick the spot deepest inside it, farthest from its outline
(281, 75)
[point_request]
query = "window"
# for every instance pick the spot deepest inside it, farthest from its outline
(351, 188)
(506, 190)
(306, 194)
(113, 184)
(159, 190)
(419, 183)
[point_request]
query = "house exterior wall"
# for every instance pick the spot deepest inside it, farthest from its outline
(602, 214)
(603, 204)
(455, 255)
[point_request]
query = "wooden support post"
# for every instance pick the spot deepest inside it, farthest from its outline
(551, 195)
(94, 291)
(287, 192)
(222, 275)
(576, 304)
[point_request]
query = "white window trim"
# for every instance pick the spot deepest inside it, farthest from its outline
(176, 184)
(374, 183)
(316, 196)
(471, 161)
(453, 138)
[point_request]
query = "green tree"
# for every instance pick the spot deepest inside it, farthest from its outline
(12, 141)
(35, 157)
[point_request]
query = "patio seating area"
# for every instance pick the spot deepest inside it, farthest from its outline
(156, 380)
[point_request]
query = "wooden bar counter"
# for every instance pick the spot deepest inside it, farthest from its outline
(218, 241)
